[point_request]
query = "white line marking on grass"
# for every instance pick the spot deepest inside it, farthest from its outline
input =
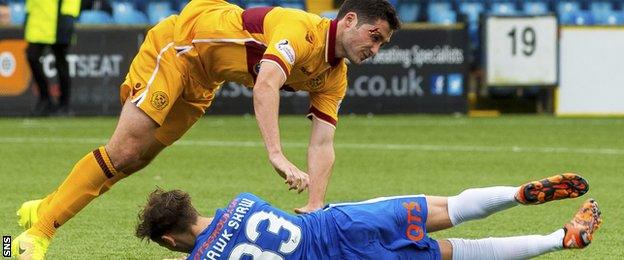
(52, 140)
(407, 147)
(377, 121)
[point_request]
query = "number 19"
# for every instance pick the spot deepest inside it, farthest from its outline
(528, 38)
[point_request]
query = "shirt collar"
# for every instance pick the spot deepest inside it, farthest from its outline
(330, 44)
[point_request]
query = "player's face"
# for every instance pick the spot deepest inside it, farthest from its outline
(362, 42)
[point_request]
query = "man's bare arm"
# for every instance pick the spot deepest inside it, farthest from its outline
(320, 163)
(266, 107)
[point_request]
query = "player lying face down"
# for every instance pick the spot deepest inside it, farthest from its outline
(381, 228)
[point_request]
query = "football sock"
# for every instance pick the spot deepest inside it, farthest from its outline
(93, 175)
(480, 202)
(520, 247)
(45, 203)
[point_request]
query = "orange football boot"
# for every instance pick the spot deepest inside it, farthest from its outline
(580, 230)
(563, 186)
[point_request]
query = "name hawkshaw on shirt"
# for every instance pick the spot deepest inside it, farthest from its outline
(224, 230)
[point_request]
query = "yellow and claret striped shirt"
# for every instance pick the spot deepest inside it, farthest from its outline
(218, 41)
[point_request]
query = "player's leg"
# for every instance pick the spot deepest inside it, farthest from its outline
(446, 249)
(91, 176)
(477, 203)
(151, 83)
(437, 214)
(95, 173)
(28, 212)
(133, 142)
(132, 146)
(517, 247)
(136, 141)
(578, 233)
(470, 204)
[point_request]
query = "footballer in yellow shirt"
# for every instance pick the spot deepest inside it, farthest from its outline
(180, 66)
(299, 48)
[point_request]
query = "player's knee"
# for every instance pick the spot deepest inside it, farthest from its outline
(123, 157)
(137, 165)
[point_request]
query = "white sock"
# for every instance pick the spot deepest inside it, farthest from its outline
(521, 247)
(480, 202)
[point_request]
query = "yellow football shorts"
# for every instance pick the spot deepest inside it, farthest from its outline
(155, 85)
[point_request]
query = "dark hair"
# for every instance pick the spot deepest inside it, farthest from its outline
(166, 211)
(369, 11)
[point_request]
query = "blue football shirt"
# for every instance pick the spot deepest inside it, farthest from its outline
(250, 228)
(382, 228)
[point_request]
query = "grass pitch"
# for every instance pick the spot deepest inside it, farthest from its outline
(375, 156)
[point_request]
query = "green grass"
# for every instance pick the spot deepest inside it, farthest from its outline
(378, 156)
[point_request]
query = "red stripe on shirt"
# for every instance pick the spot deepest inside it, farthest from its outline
(331, 44)
(321, 115)
(254, 55)
(279, 62)
(253, 19)
(218, 227)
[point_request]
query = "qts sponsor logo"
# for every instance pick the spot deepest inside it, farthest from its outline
(14, 70)
(15, 74)
(86, 65)
(414, 229)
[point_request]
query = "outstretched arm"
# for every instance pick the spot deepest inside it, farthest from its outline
(266, 107)
(320, 163)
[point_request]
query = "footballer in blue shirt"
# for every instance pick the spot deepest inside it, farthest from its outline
(381, 228)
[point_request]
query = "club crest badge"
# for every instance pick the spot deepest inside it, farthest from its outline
(159, 100)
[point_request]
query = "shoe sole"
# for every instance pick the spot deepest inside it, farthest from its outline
(584, 234)
(568, 185)
(27, 212)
